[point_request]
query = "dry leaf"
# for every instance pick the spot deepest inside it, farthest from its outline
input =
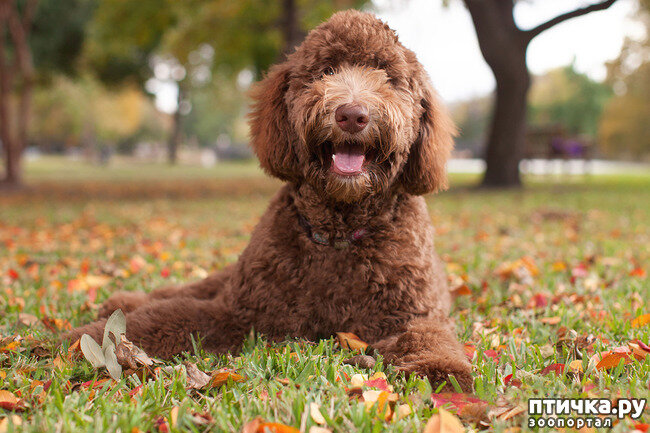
(260, 426)
(444, 422)
(91, 351)
(576, 366)
(361, 361)
(348, 340)
(475, 413)
(28, 320)
(551, 320)
(196, 379)
(131, 356)
(641, 321)
(8, 400)
(221, 378)
(454, 399)
(11, 419)
(403, 410)
(173, 416)
(611, 359)
(314, 411)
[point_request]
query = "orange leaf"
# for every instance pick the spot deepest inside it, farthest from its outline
(260, 426)
(461, 290)
(8, 400)
(219, 379)
(551, 320)
(638, 272)
(612, 359)
(444, 422)
(348, 340)
(641, 321)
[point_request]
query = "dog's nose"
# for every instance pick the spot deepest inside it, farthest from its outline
(351, 118)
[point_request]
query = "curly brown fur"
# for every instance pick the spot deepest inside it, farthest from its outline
(389, 286)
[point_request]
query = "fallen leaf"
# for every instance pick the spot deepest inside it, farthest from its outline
(27, 320)
(91, 351)
(576, 366)
(641, 321)
(361, 361)
(221, 378)
(462, 290)
(551, 320)
(556, 368)
(315, 414)
(12, 419)
(612, 358)
(259, 426)
(112, 364)
(129, 355)
(475, 413)
(357, 380)
(453, 400)
(444, 422)
(8, 400)
(348, 340)
(383, 401)
(196, 379)
(173, 416)
(116, 325)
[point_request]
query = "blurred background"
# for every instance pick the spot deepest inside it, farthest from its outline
(539, 87)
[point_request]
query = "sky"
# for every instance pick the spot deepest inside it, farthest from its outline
(445, 42)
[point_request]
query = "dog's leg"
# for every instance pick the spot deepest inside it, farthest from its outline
(165, 328)
(429, 348)
(129, 301)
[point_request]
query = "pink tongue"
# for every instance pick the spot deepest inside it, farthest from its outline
(348, 163)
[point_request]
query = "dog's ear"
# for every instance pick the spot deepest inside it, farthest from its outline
(425, 169)
(269, 124)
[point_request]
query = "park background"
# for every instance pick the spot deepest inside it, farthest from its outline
(126, 166)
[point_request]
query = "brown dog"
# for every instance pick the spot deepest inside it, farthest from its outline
(351, 123)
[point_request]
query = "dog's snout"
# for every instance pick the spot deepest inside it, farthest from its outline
(351, 118)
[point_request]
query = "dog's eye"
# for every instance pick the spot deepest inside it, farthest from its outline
(328, 71)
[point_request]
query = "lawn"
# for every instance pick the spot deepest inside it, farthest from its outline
(548, 284)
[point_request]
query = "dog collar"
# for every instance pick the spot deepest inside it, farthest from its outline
(321, 238)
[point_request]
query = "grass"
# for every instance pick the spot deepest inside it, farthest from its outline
(539, 267)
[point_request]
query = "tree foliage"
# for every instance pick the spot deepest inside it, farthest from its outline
(625, 129)
(564, 97)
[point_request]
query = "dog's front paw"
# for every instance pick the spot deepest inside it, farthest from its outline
(438, 373)
(125, 301)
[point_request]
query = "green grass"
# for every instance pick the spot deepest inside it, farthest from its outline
(78, 220)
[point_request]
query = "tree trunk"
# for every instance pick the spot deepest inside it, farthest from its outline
(291, 32)
(177, 128)
(503, 46)
(507, 137)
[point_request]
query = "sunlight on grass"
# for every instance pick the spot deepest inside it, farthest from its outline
(546, 276)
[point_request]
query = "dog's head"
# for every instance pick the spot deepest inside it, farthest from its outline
(353, 113)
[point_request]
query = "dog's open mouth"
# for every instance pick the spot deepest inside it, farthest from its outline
(348, 159)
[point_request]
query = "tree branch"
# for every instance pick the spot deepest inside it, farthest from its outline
(530, 34)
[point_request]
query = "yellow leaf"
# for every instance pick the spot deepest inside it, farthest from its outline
(576, 366)
(348, 340)
(444, 422)
(14, 419)
(173, 416)
(314, 411)
(641, 321)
